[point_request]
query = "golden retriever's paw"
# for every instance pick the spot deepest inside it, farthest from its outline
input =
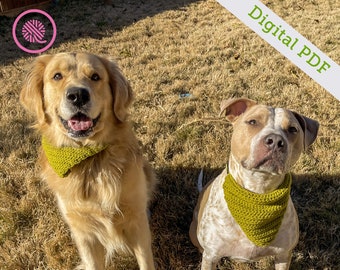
(80, 267)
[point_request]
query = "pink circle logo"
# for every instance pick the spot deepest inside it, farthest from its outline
(33, 31)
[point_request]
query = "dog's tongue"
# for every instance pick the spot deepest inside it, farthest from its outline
(80, 122)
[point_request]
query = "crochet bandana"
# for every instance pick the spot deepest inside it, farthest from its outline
(63, 159)
(259, 215)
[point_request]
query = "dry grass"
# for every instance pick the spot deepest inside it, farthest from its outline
(167, 48)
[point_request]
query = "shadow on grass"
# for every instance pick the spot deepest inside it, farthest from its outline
(172, 211)
(11, 139)
(85, 18)
(316, 201)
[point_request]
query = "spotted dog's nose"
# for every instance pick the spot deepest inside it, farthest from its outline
(275, 142)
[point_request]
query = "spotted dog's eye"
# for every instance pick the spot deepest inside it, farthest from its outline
(292, 129)
(252, 122)
(57, 76)
(95, 77)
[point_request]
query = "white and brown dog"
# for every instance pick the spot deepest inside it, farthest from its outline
(265, 144)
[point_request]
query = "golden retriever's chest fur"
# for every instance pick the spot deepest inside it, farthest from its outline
(98, 183)
(102, 194)
(99, 180)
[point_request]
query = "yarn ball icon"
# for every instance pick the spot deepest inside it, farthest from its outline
(33, 31)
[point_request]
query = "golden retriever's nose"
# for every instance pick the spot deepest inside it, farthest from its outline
(78, 96)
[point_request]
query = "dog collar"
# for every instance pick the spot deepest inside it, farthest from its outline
(259, 215)
(63, 159)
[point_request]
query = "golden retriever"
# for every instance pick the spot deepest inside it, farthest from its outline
(80, 101)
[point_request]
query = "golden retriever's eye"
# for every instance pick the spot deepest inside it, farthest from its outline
(95, 77)
(252, 122)
(57, 76)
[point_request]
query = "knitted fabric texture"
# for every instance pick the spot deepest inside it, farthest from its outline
(259, 215)
(63, 159)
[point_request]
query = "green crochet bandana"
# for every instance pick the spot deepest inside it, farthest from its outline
(259, 215)
(63, 159)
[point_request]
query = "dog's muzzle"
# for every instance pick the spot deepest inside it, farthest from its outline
(270, 155)
(78, 96)
(79, 125)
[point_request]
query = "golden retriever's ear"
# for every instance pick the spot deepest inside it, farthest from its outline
(121, 90)
(31, 96)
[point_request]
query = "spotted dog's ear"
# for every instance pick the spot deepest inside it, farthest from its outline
(31, 95)
(234, 107)
(121, 89)
(310, 128)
